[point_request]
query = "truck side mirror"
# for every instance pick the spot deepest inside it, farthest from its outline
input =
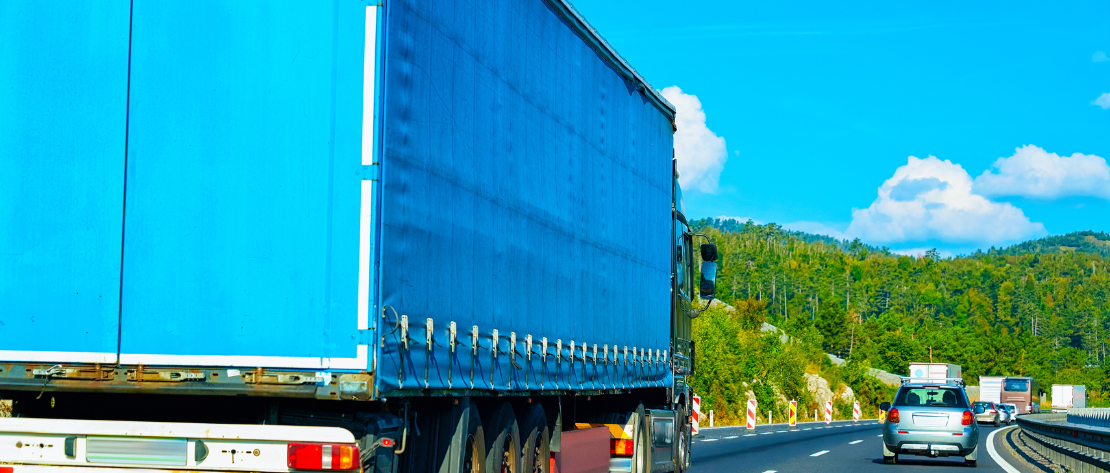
(884, 406)
(708, 286)
(709, 252)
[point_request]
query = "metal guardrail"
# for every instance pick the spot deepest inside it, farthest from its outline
(1078, 447)
(1098, 417)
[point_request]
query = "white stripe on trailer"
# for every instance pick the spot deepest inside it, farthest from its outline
(366, 214)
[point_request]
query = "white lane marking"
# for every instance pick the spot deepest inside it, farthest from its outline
(854, 442)
(771, 471)
(822, 452)
(994, 453)
(781, 431)
(807, 428)
(731, 437)
(880, 435)
(710, 440)
(749, 435)
(766, 433)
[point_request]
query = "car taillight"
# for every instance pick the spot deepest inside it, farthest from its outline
(967, 418)
(315, 456)
(893, 416)
(620, 446)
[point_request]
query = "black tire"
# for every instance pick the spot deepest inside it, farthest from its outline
(971, 463)
(474, 445)
(682, 441)
(641, 449)
(891, 460)
(997, 423)
(503, 445)
(536, 454)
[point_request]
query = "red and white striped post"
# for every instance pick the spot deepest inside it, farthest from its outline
(855, 412)
(828, 412)
(696, 415)
(751, 414)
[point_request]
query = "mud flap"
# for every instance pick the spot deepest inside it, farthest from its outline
(886, 451)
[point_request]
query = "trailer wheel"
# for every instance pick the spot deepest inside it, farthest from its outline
(503, 445)
(474, 444)
(537, 441)
(641, 449)
(682, 441)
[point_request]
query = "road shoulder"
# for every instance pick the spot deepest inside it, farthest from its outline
(1013, 448)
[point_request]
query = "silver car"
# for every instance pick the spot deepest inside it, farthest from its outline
(1007, 416)
(930, 419)
(1012, 409)
(989, 412)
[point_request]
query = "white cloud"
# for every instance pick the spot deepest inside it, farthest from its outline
(816, 228)
(1034, 172)
(1103, 101)
(929, 199)
(1099, 57)
(701, 154)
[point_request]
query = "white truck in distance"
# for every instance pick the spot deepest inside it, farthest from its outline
(1068, 396)
(927, 371)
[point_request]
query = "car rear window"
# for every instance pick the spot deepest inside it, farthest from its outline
(931, 396)
(1018, 385)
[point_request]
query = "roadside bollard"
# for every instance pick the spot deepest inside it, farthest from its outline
(711, 417)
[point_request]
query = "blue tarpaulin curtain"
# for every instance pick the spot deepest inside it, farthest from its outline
(526, 187)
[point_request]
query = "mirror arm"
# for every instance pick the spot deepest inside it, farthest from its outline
(696, 312)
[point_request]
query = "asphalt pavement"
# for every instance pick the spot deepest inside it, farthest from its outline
(815, 447)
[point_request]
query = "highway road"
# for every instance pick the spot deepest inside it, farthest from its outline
(815, 447)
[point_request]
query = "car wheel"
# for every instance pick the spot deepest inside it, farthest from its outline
(891, 460)
(997, 423)
(971, 463)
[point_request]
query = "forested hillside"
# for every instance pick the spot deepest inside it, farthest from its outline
(1036, 311)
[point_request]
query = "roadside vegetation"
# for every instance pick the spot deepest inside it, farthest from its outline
(1035, 309)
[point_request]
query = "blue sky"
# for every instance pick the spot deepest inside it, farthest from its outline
(821, 105)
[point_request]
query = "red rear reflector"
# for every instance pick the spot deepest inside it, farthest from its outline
(620, 446)
(957, 433)
(7, 469)
(387, 442)
(313, 456)
(903, 432)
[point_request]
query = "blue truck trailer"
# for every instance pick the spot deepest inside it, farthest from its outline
(451, 229)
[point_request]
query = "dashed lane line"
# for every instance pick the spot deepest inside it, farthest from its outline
(731, 437)
(781, 431)
(771, 471)
(822, 452)
(854, 442)
(710, 440)
(766, 433)
(749, 435)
